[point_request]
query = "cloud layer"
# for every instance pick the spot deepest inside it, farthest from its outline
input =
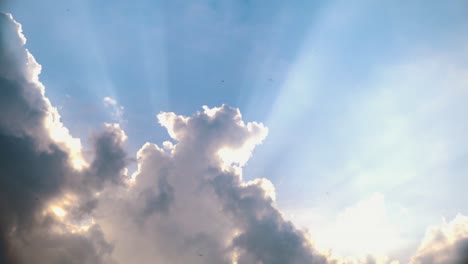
(186, 203)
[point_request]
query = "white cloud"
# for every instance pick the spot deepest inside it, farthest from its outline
(109, 101)
(194, 207)
(446, 244)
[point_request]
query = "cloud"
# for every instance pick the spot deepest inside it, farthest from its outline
(446, 244)
(190, 202)
(117, 111)
(46, 181)
(109, 101)
(25, 109)
(110, 158)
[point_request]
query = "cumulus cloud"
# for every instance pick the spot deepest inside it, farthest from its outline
(186, 203)
(446, 244)
(189, 203)
(45, 178)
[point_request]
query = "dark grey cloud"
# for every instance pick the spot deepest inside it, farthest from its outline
(266, 236)
(110, 158)
(160, 201)
(43, 246)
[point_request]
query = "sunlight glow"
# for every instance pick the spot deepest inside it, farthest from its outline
(61, 135)
(59, 208)
(66, 223)
(81, 227)
(266, 185)
(58, 211)
(56, 130)
(234, 157)
(361, 229)
(235, 257)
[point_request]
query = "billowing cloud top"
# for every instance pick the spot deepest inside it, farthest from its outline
(194, 206)
(186, 203)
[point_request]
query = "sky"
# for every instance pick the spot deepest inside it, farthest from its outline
(233, 131)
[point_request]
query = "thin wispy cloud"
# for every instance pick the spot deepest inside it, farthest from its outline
(116, 110)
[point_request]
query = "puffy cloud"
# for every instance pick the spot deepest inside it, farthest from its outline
(45, 189)
(446, 244)
(110, 158)
(189, 202)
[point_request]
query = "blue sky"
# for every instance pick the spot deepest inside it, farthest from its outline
(365, 101)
